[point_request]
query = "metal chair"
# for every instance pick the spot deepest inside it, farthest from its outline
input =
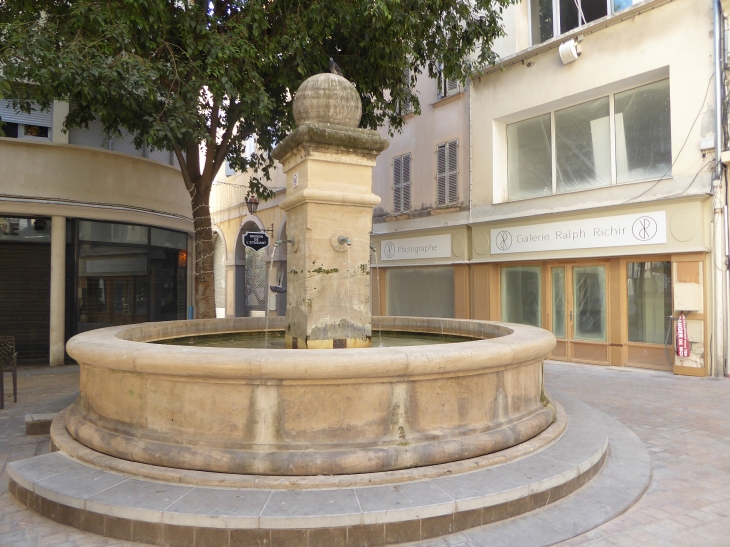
(8, 363)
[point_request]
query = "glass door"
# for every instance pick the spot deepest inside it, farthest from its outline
(579, 312)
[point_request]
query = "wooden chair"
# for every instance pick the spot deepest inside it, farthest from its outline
(8, 363)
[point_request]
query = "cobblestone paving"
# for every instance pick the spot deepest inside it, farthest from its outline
(685, 423)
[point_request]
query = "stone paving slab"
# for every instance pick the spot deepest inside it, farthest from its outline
(112, 503)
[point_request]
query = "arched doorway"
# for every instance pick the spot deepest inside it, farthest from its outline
(251, 276)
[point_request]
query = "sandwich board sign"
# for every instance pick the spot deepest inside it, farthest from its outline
(256, 240)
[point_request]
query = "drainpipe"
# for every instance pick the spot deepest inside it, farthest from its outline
(719, 251)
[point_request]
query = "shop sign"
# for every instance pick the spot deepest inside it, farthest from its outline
(256, 240)
(617, 231)
(410, 248)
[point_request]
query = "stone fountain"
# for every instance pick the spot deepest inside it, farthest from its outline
(256, 424)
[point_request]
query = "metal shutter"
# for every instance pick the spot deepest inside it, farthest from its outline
(25, 293)
(163, 156)
(8, 114)
(94, 136)
(125, 145)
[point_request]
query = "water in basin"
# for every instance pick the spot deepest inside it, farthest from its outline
(257, 340)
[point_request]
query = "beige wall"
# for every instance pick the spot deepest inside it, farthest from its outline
(440, 121)
(58, 179)
(674, 40)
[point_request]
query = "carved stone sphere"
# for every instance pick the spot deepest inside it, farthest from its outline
(327, 98)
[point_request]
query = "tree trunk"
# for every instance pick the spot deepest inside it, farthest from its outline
(204, 279)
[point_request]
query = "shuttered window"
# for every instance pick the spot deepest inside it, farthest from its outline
(36, 117)
(447, 163)
(402, 183)
(447, 87)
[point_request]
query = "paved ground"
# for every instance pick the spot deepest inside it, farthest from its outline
(685, 423)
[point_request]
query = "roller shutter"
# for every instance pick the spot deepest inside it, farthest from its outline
(8, 114)
(25, 292)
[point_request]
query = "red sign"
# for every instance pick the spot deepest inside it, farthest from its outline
(682, 340)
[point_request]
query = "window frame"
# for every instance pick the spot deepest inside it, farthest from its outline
(556, 19)
(612, 139)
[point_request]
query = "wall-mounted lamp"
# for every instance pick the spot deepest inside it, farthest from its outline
(252, 204)
(570, 50)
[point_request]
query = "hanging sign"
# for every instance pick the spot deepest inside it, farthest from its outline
(682, 340)
(256, 240)
(615, 231)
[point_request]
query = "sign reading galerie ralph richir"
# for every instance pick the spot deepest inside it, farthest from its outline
(616, 231)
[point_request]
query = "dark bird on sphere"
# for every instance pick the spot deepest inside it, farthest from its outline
(334, 69)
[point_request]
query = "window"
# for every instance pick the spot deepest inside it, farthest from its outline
(421, 292)
(529, 158)
(649, 301)
(549, 18)
(643, 143)
(571, 149)
(521, 295)
(447, 87)
(10, 129)
(447, 163)
(37, 131)
(402, 184)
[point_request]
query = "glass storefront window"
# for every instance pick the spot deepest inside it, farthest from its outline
(26, 230)
(529, 158)
(421, 292)
(521, 295)
(168, 238)
(583, 146)
(112, 232)
(589, 297)
(558, 319)
(129, 274)
(649, 287)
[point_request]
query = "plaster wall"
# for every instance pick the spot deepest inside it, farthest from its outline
(674, 41)
(74, 181)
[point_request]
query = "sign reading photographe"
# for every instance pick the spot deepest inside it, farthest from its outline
(636, 229)
(255, 240)
(410, 248)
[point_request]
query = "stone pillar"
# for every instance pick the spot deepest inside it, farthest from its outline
(328, 163)
(58, 290)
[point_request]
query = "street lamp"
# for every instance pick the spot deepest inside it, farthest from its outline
(252, 203)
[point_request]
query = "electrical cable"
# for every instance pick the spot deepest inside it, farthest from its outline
(680, 150)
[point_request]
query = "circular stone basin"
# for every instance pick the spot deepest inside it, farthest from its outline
(308, 412)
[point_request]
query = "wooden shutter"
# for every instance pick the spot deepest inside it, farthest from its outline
(398, 184)
(451, 87)
(441, 198)
(406, 183)
(452, 166)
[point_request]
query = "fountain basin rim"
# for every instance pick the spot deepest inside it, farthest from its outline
(126, 348)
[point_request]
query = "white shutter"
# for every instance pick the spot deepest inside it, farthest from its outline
(451, 87)
(219, 276)
(397, 184)
(94, 136)
(453, 170)
(441, 198)
(406, 183)
(36, 117)
(163, 156)
(125, 145)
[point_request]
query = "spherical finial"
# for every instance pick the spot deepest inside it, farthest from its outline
(327, 98)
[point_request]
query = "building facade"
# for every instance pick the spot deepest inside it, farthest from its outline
(580, 197)
(93, 233)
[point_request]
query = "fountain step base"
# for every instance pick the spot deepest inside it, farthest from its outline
(126, 507)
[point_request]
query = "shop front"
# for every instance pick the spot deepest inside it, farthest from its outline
(611, 286)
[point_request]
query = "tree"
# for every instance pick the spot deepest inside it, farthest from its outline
(202, 77)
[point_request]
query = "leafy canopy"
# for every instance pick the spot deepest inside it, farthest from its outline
(186, 75)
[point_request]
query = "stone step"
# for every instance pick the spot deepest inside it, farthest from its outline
(126, 507)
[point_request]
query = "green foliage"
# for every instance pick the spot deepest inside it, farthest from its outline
(184, 74)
